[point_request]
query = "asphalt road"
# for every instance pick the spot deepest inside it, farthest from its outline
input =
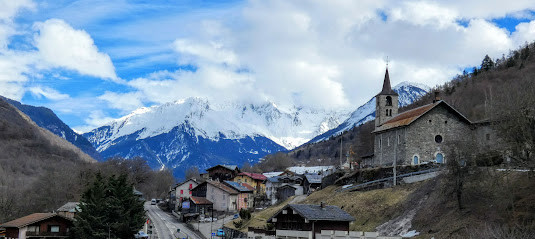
(205, 227)
(166, 224)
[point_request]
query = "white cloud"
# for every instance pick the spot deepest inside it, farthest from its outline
(60, 45)
(47, 92)
(524, 32)
(125, 102)
(95, 119)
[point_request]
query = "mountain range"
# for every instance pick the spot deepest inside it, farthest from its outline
(196, 132)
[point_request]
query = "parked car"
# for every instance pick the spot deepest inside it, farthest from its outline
(220, 233)
(236, 216)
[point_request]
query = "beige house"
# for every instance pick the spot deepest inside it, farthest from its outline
(224, 198)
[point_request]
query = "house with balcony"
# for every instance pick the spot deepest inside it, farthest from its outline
(307, 220)
(258, 181)
(245, 197)
(279, 188)
(38, 225)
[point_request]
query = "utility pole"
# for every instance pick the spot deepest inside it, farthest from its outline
(396, 142)
(341, 152)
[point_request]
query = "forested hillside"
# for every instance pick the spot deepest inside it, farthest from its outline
(501, 89)
(40, 171)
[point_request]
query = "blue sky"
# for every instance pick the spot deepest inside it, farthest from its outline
(93, 61)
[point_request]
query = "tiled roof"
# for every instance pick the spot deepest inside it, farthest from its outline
(313, 178)
(200, 200)
(406, 118)
(30, 219)
(69, 207)
(255, 176)
(237, 186)
(223, 187)
(317, 213)
(248, 186)
(230, 167)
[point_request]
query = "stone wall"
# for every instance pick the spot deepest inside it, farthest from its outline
(388, 142)
(421, 135)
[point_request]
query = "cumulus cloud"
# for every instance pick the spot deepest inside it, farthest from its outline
(331, 53)
(60, 45)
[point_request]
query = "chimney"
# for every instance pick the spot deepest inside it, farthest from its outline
(437, 96)
(322, 205)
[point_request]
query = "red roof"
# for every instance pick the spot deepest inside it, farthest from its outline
(200, 200)
(255, 176)
(248, 186)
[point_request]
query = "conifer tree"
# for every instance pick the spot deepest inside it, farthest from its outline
(487, 63)
(109, 209)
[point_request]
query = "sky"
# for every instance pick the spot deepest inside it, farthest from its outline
(95, 61)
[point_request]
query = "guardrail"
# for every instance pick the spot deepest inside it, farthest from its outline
(378, 181)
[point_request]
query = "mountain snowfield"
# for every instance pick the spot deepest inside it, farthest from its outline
(196, 132)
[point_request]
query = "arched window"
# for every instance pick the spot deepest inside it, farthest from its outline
(388, 101)
(439, 158)
(415, 160)
(438, 138)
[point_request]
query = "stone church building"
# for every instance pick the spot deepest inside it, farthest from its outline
(421, 135)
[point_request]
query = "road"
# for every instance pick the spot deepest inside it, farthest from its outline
(205, 227)
(166, 224)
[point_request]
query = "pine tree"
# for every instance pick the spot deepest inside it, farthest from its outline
(109, 209)
(487, 63)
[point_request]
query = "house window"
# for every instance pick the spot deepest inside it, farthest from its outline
(487, 136)
(399, 139)
(33, 229)
(190, 186)
(388, 141)
(189, 192)
(386, 112)
(53, 228)
(388, 101)
(181, 191)
(415, 160)
(438, 138)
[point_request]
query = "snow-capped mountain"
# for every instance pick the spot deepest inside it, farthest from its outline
(196, 132)
(408, 93)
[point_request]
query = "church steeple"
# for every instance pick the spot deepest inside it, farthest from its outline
(387, 88)
(386, 106)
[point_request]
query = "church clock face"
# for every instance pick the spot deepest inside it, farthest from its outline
(438, 138)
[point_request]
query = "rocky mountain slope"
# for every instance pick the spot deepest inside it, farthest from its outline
(47, 119)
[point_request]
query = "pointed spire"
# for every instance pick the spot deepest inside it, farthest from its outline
(387, 89)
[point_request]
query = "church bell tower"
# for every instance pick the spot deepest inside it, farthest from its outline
(386, 106)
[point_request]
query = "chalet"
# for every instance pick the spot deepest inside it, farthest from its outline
(183, 190)
(245, 197)
(312, 183)
(69, 209)
(224, 197)
(274, 183)
(38, 225)
(258, 181)
(223, 172)
(302, 220)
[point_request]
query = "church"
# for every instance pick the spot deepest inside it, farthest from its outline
(421, 135)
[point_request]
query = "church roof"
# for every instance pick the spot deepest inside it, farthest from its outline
(387, 88)
(406, 118)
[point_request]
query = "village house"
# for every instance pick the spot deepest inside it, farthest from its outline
(245, 197)
(254, 179)
(183, 191)
(193, 207)
(69, 209)
(279, 188)
(223, 197)
(312, 183)
(38, 225)
(223, 172)
(305, 220)
(421, 135)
